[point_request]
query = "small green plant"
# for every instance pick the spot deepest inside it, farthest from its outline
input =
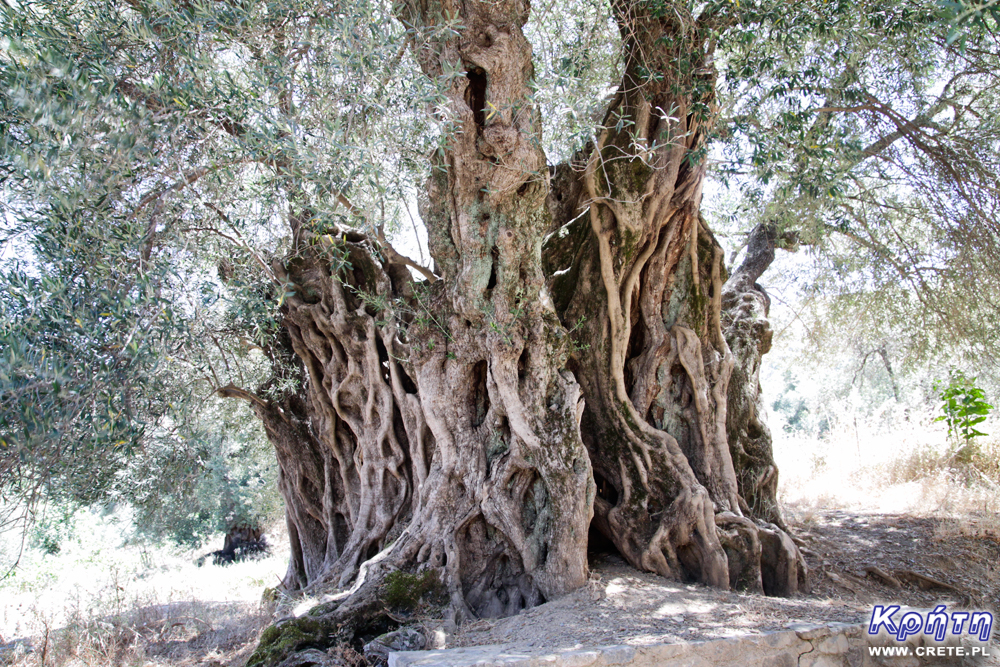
(964, 407)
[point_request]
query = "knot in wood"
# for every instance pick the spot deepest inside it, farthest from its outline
(498, 140)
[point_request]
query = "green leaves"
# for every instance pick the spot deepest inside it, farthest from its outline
(154, 157)
(962, 17)
(964, 406)
(859, 126)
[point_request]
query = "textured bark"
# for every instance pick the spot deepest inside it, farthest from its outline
(306, 469)
(745, 310)
(475, 424)
(639, 274)
(441, 422)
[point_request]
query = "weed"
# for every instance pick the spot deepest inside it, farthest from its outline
(964, 408)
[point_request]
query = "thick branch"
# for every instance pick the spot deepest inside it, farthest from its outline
(232, 391)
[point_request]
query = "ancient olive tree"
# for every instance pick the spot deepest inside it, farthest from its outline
(572, 359)
(566, 360)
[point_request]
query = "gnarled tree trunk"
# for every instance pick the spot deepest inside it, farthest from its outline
(567, 362)
(745, 307)
(441, 418)
(636, 269)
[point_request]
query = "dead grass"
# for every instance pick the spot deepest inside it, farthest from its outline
(184, 633)
(98, 603)
(910, 468)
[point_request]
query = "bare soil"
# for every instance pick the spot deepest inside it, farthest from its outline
(624, 606)
(225, 641)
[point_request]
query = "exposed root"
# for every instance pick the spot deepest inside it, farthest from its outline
(924, 582)
(741, 540)
(783, 570)
(882, 576)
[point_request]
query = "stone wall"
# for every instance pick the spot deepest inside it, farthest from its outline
(834, 645)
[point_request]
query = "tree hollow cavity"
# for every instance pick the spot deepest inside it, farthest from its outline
(475, 94)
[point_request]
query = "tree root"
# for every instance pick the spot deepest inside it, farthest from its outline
(386, 601)
(923, 582)
(762, 557)
(898, 578)
(881, 575)
(845, 582)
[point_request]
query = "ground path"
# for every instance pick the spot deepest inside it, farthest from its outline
(624, 606)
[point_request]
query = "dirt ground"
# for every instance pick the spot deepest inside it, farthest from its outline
(187, 640)
(624, 606)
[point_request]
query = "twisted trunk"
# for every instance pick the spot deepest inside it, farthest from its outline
(440, 418)
(748, 332)
(568, 362)
(635, 266)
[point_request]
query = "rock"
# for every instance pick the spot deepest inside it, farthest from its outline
(404, 639)
(618, 655)
(835, 645)
(578, 658)
(310, 658)
(438, 638)
(810, 660)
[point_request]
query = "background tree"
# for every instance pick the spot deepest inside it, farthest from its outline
(874, 140)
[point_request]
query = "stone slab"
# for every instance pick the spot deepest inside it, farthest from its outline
(833, 645)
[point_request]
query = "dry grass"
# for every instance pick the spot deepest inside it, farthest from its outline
(180, 633)
(911, 468)
(97, 603)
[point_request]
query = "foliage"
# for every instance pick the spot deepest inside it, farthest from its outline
(79, 356)
(863, 130)
(203, 478)
(961, 15)
(153, 158)
(85, 323)
(106, 598)
(576, 50)
(136, 204)
(964, 407)
(794, 407)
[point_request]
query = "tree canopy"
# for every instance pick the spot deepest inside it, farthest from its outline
(875, 140)
(352, 215)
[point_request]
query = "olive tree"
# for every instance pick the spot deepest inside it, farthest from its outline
(572, 356)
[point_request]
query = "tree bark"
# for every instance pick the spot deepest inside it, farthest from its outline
(440, 417)
(748, 332)
(639, 274)
(475, 424)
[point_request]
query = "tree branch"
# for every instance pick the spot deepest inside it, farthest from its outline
(391, 253)
(232, 391)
